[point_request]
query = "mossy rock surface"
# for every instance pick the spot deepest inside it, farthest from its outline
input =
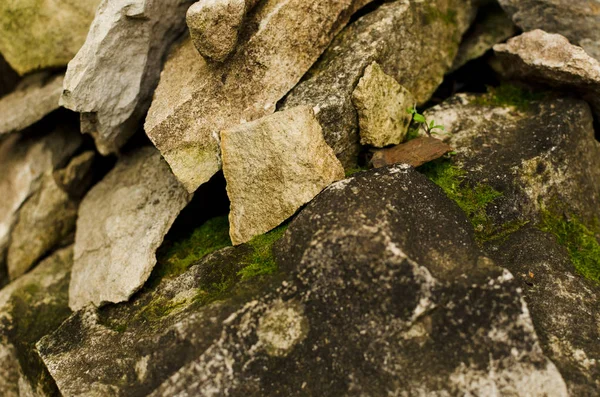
(527, 173)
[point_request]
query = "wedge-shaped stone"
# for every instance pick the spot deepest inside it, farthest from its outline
(111, 80)
(30, 308)
(273, 166)
(195, 101)
(550, 59)
(35, 97)
(43, 34)
(35, 213)
(578, 20)
(381, 104)
(121, 223)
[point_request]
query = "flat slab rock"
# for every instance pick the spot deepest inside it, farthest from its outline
(415, 152)
(35, 213)
(447, 320)
(122, 221)
(415, 42)
(30, 308)
(536, 156)
(195, 100)
(41, 35)
(579, 20)
(111, 79)
(550, 59)
(34, 97)
(273, 166)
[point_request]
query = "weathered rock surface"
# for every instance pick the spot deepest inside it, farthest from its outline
(540, 157)
(273, 166)
(111, 80)
(30, 308)
(443, 318)
(579, 21)
(35, 214)
(415, 152)
(215, 26)
(414, 42)
(381, 104)
(35, 97)
(122, 221)
(195, 100)
(37, 35)
(550, 59)
(77, 177)
(491, 28)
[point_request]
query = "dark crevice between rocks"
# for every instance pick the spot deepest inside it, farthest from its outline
(8, 77)
(367, 9)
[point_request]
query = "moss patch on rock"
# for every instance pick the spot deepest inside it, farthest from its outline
(579, 240)
(472, 198)
(261, 260)
(510, 95)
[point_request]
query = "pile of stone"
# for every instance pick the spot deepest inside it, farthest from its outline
(461, 264)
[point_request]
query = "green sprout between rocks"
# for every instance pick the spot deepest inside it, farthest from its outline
(429, 127)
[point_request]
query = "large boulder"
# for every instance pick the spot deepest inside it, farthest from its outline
(527, 172)
(121, 223)
(30, 308)
(195, 100)
(381, 289)
(36, 214)
(112, 78)
(549, 59)
(579, 20)
(35, 97)
(413, 42)
(43, 34)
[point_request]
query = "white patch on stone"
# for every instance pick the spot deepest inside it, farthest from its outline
(282, 327)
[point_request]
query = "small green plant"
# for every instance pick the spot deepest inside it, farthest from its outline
(429, 127)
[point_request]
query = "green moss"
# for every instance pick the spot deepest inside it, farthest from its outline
(351, 171)
(579, 240)
(433, 13)
(176, 258)
(509, 95)
(473, 199)
(157, 309)
(413, 133)
(261, 261)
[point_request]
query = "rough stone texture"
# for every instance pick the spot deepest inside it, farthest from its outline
(35, 214)
(31, 308)
(112, 78)
(8, 77)
(537, 156)
(491, 28)
(414, 42)
(35, 97)
(380, 292)
(381, 105)
(579, 20)
(273, 166)
(121, 223)
(37, 35)
(77, 177)
(195, 100)
(546, 58)
(415, 152)
(215, 26)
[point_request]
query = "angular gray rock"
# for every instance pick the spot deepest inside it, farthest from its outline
(414, 42)
(195, 100)
(111, 79)
(538, 159)
(579, 20)
(215, 26)
(43, 35)
(35, 214)
(121, 222)
(381, 104)
(35, 97)
(273, 166)
(443, 321)
(30, 308)
(493, 27)
(550, 59)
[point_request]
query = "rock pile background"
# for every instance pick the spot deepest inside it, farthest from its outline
(229, 197)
